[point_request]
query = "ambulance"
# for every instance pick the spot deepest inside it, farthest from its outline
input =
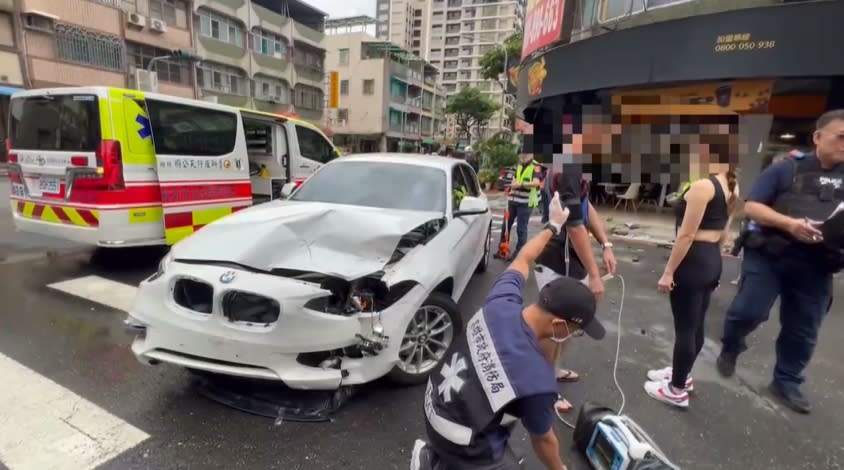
(113, 167)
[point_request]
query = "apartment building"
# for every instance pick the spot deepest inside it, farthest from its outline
(388, 97)
(11, 74)
(86, 42)
(262, 54)
(454, 35)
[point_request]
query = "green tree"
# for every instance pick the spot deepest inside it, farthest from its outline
(472, 110)
(498, 151)
(492, 63)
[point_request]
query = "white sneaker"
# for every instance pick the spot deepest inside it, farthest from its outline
(664, 375)
(664, 392)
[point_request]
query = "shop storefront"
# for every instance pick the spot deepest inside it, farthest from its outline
(741, 66)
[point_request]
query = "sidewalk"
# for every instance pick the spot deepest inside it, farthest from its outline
(4, 171)
(645, 226)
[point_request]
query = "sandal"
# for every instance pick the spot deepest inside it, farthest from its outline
(567, 376)
(562, 405)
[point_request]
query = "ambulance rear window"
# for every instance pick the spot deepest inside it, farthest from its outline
(68, 123)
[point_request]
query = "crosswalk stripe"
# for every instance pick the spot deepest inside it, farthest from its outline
(44, 425)
(116, 295)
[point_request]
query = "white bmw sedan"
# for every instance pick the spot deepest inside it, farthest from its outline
(352, 277)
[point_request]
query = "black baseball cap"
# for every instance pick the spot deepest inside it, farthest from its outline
(568, 299)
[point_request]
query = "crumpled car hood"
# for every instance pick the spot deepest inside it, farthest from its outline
(348, 242)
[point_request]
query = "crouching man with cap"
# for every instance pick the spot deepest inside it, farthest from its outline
(497, 374)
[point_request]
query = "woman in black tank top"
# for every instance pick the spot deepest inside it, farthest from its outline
(691, 275)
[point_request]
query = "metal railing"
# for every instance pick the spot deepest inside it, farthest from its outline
(81, 46)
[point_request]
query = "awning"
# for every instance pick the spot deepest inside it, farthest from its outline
(429, 142)
(8, 90)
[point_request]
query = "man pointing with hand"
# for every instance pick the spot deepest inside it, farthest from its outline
(498, 375)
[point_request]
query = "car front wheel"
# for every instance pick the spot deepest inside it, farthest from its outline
(428, 338)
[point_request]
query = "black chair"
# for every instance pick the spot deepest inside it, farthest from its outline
(651, 194)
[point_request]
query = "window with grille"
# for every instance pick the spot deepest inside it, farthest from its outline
(167, 10)
(267, 88)
(307, 58)
(85, 47)
(267, 43)
(140, 55)
(344, 57)
(308, 98)
(489, 24)
(223, 79)
(214, 26)
(344, 87)
(369, 87)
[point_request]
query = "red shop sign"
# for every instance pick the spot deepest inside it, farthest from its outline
(543, 24)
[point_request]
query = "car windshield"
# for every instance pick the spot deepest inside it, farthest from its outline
(377, 184)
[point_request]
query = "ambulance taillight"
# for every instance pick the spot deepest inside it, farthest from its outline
(109, 172)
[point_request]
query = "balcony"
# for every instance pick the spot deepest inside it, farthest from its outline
(405, 73)
(405, 128)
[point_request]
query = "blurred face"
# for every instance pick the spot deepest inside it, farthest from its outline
(525, 157)
(829, 141)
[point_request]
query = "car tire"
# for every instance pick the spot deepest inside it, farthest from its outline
(484, 264)
(437, 302)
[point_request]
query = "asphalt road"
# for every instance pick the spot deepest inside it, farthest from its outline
(14, 245)
(732, 424)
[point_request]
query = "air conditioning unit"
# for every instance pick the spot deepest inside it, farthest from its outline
(157, 25)
(146, 80)
(39, 21)
(135, 19)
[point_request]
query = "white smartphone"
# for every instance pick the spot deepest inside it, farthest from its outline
(607, 277)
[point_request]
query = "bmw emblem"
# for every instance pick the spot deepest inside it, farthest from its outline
(227, 277)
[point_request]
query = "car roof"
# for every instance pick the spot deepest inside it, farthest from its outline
(431, 161)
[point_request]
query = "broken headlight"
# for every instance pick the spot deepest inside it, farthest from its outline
(162, 266)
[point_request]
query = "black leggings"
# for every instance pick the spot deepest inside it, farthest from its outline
(695, 279)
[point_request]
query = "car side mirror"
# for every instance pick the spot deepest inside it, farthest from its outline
(287, 190)
(471, 205)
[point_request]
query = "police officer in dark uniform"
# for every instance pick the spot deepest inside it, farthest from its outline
(789, 254)
(497, 373)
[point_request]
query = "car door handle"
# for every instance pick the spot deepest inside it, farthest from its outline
(304, 166)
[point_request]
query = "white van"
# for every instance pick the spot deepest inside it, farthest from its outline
(115, 167)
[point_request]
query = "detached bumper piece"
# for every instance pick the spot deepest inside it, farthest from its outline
(273, 400)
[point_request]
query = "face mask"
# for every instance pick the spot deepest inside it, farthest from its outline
(565, 338)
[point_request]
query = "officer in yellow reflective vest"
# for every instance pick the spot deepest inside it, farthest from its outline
(524, 197)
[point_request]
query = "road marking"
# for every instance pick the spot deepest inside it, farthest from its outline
(113, 294)
(44, 425)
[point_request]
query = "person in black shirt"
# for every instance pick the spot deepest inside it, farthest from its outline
(561, 257)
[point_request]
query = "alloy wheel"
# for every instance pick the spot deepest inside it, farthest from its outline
(427, 339)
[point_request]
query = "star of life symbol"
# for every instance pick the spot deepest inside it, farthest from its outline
(451, 377)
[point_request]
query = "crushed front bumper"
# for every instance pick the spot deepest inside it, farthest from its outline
(169, 333)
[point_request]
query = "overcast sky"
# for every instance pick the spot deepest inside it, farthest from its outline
(341, 8)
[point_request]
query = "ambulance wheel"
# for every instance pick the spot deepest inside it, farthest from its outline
(428, 339)
(484, 264)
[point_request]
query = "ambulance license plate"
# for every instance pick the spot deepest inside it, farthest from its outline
(48, 184)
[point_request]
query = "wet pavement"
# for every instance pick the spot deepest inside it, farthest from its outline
(732, 424)
(15, 245)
